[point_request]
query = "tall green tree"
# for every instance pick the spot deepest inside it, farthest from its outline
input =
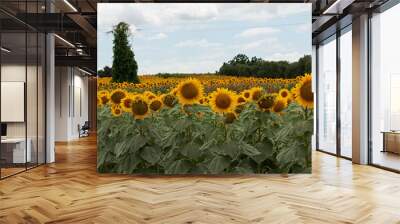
(124, 68)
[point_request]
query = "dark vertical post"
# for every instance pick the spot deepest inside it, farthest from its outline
(37, 89)
(25, 88)
(316, 96)
(338, 74)
(369, 90)
(45, 89)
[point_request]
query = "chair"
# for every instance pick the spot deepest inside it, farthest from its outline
(84, 130)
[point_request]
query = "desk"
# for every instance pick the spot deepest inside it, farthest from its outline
(15, 148)
(391, 141)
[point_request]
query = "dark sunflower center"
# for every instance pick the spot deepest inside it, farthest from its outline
(266, 102)
(139, 108)
(241, 100)
(284, 94)
(305, 92)
(169, 100)
(155, 105)
(223, 101)
(247, 94)
(104, 99)
(117, 97)
(189, 91)
(117, 111)
(256, 95)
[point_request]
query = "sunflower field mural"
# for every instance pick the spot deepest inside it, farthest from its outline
(205, 125)
(204, 89)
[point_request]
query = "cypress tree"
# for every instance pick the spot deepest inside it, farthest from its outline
(124, 68)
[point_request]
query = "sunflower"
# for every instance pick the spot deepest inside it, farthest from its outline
(223, 100)
(303, 92)
(279, 105)
(156, 104)
(117, 96)
(256, 93)
(127, 103)
(246, 94)
(169, 100)
(104, 97)
(116, 110)
(284, 94)
(149, 95)
(189, 91)
(266, 102)
(140, 107)
(103, 92)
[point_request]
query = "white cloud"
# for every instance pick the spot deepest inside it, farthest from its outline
(158, 36)
(176, 15)
(145, 15)
(267, 43)
(197, 43)
(306, 27)
(247, 11)
(191, 11)
(289, 56)
(258, 31)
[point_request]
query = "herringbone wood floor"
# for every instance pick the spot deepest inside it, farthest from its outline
(70, 191)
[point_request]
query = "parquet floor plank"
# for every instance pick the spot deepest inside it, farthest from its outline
(70, 191)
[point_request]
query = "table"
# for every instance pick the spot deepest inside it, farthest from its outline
(391, 141)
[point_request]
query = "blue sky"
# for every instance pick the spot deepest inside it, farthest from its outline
(198, 38)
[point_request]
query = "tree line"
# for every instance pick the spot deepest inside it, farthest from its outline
(241, 65)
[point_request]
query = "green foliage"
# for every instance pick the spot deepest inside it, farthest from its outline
(198, 141)
(241, 65)
(105, 72)
(124, 68)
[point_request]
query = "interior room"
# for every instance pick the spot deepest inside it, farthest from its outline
(22, 103)
(385, 85)
(49, 105)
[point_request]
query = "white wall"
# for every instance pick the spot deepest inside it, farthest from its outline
(71, 102)
(14, 72)
(61, 103)
(33, 127)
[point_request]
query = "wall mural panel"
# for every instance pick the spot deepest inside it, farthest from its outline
(170, 101)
